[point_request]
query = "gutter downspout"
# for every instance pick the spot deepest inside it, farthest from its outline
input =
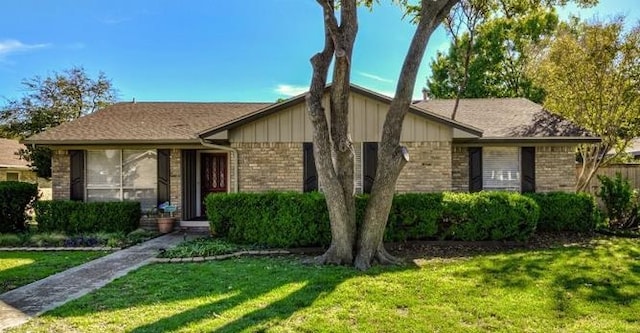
(235, 159)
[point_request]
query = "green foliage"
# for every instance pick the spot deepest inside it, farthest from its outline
(301, 219)
(15, 199)
(278, 219)
(563, 211)
(488, 216)
(414, 216)
(201, 247)
(49, 102)
(620, 200)
(10, 240)
(75, 217)
(590, 72)
(490, 45)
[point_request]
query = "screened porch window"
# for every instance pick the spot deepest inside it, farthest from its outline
(115, 175)
(501, 168)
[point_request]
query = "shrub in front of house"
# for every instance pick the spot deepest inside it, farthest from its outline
(285, 219)
(74, 217)
(562, 211)
(277, 219)
(488, 216)
(15, 199)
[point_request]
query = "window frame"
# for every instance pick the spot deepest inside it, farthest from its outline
(120, 186)
(518, 160)
(13, 173)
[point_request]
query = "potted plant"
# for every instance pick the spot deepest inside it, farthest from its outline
(165, 223)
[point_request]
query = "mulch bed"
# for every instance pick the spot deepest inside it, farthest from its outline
(460, 249)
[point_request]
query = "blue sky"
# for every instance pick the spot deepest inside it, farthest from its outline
(203, 50)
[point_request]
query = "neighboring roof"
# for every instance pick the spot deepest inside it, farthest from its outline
(506, 117)
(8, 157)
(145, 122)
(234, 123)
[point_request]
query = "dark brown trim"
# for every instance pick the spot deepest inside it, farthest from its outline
(525, 140)
(475, 169)
(309, 172)
(64, 142)
(164, 175)
(76, 175)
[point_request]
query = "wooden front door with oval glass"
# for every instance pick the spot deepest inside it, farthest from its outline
(213, 175)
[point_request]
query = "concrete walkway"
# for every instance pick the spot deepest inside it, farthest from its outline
(19, 305)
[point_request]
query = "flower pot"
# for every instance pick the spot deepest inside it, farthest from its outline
(165, 224)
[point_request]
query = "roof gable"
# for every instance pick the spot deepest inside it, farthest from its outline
(277, 107)
(8, 157)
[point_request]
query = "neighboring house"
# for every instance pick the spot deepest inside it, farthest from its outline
(11, 166)
(180, 152)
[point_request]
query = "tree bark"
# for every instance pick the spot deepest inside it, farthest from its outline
(333, 148)
(391, 156)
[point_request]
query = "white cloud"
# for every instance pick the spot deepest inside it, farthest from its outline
(289, 90)
(111, 20)
(9, 46)
(375, 77)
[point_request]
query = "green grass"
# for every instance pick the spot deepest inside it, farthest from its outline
(21, 267)
(202, 247)
(569, 289)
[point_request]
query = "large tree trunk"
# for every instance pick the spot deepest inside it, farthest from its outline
(391, 156)
(333, 148)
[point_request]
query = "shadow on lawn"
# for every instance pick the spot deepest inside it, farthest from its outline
(274, 288)
(606, 273)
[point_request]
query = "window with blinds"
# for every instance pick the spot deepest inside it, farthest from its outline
(501, 168)
(114, 175)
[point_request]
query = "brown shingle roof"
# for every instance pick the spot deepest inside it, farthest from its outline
(145, 122)
(505, 117)
(8, 157)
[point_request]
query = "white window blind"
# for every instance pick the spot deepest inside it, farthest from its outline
(501, 168)
(114, 175)
(357, 163)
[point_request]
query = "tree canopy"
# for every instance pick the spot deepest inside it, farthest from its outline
(49, 102)
(591, 72)
(490, 43)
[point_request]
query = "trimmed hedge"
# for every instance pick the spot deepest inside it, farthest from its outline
(561, 211)
(280, 219)
(15, 199)
(73, 217)
(284, 219)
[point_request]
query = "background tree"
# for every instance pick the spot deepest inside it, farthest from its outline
(591, 72)
(49, 102)
(490, 40)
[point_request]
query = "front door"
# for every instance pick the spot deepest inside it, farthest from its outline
(213, 176)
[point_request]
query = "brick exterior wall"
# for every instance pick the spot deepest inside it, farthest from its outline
(555, 169)
(428, 169)
(175, 180)
(60, 175)
(460, 169)
(269, 166)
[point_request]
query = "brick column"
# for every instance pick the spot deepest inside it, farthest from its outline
(61, 175)
(460, 172)
(175, 171)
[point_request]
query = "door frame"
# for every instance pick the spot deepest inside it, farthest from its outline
(199, 174)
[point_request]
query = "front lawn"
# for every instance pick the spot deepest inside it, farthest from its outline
(18, 268)
(579, 288)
